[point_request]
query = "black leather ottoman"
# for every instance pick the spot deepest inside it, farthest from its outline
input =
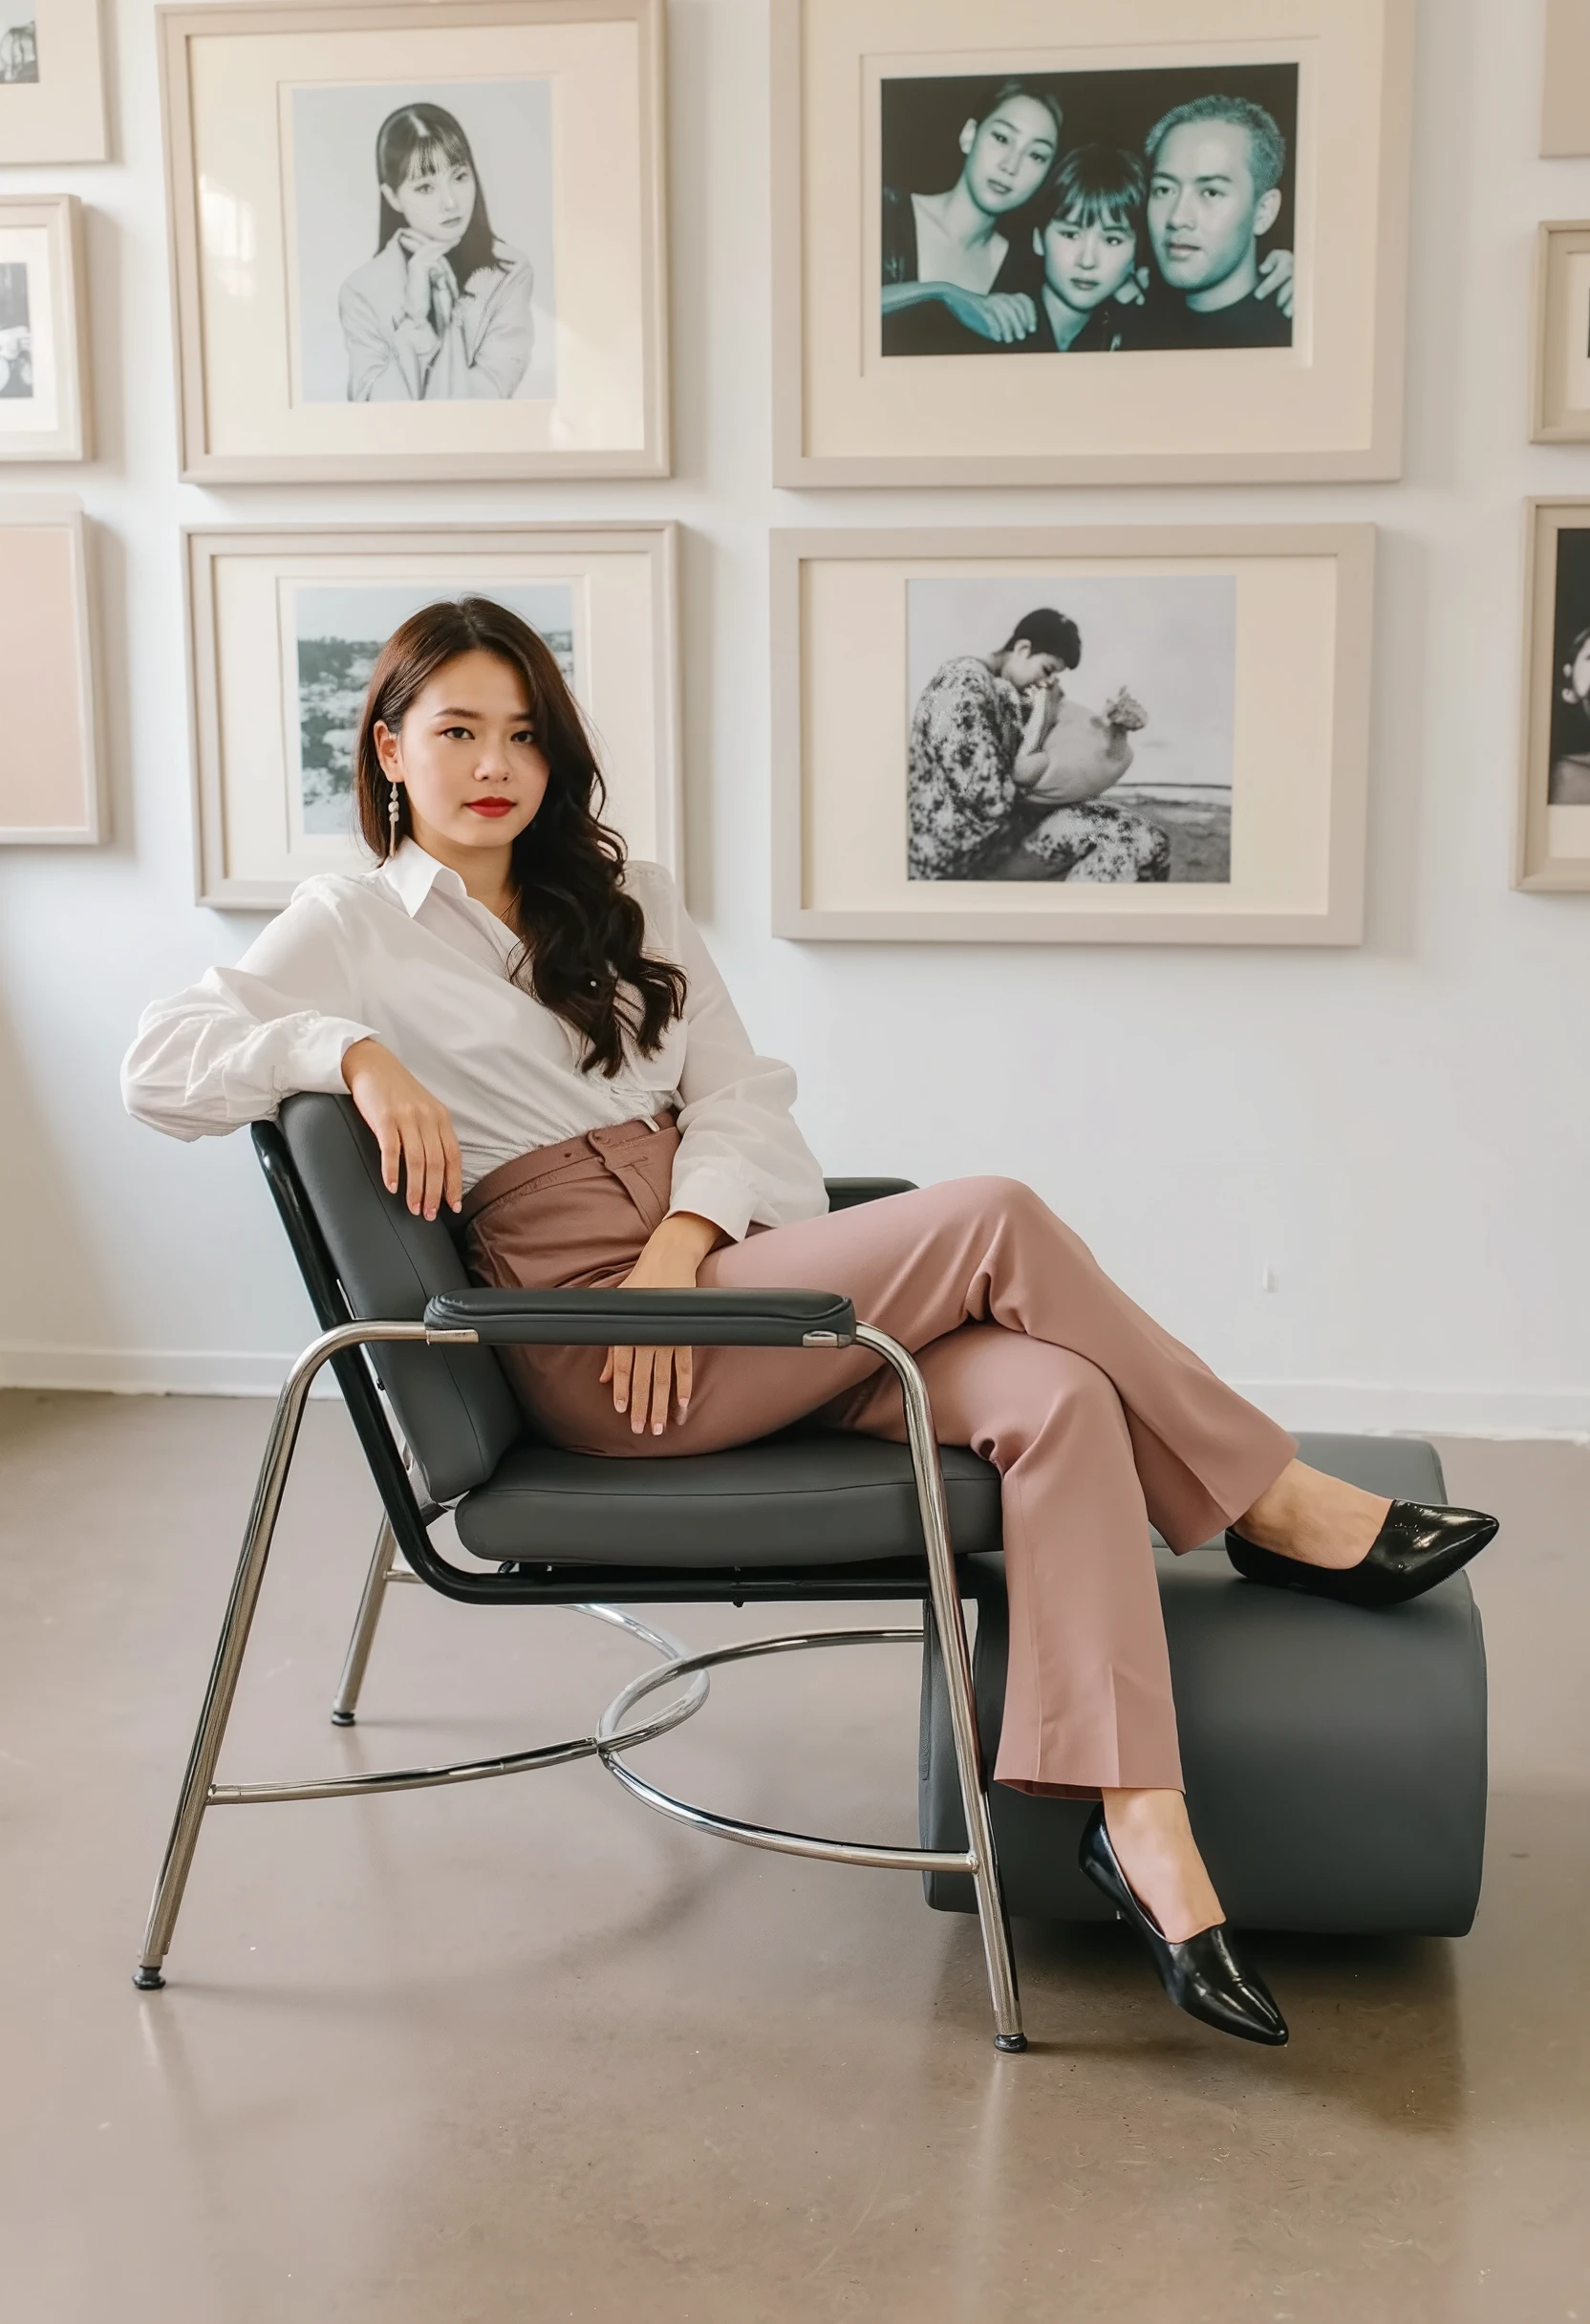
(1335, 1759)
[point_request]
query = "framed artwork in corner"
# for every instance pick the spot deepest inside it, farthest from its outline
(52, 83)
(1560, 369)
(43, 330)
(1565, 114)
(285, 625)
(1121, 735)
(1021, 247)
(50, 791)
(418, 238)
(1552, 832)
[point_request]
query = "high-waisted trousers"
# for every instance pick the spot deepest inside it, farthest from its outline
(1096, 1419)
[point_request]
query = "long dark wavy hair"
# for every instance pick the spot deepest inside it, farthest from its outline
(582, 953)
(427, 135)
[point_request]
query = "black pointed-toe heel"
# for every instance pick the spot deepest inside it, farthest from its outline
(1201, 1974)
(1414, 1549)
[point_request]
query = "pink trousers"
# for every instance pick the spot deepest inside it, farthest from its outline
(1096, 1419)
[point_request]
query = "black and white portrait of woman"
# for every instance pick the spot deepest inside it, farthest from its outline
(1570, 729)
(1020, 767)
(423, 243)
(1093, 212)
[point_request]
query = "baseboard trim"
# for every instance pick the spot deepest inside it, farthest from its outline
(1355, 1408)
(152, 1371)
(1375, 1409)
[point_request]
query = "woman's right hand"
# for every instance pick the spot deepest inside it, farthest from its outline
(410, 1126)
(1005, 316)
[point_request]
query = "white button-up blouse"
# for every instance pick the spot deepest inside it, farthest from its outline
(402, 952)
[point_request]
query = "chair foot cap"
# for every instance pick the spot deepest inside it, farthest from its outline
(344, 1718)
(1010, 2042)
(148, 1980)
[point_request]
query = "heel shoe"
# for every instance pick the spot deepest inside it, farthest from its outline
(1201, 1974)
(1414, 1549)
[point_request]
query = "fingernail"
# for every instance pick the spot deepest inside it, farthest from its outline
(657, 1428)
(620, 1404)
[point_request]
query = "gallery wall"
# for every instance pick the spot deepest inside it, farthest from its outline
(1395, 1139)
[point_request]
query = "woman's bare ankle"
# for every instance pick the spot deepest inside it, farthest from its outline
(1318, 1520)
(1154, 1846)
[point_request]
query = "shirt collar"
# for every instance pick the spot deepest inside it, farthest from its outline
(413, 874)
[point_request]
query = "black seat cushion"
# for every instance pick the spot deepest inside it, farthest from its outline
(813, 1497)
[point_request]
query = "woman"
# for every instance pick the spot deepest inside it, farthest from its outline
(1570, 776)
(1002, 769)
(1088, 246)
(953, 282)
(442, 310)
(537, 1038)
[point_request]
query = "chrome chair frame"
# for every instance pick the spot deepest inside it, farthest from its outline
(405, 1529)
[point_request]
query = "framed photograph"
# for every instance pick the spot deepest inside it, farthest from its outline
(1121, 735)
(43, 330)
(51, 84)
(50, 777)
(1552, 844)
(1565, 116)
(285, 625)
(418, 238)
(1560, 374)
(1009, 249)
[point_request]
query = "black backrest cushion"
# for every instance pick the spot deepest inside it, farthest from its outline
(454, 1406)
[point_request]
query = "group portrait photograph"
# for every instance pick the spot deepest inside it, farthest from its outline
(1090, 212)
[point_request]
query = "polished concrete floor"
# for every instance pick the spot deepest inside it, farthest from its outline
(522, 2051)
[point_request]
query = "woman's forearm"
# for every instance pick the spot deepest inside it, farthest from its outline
(899, 295)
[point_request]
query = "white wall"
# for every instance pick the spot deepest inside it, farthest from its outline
(1399, 1132)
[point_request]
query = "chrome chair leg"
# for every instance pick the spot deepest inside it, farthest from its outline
(194, 1796)
(345, 1708)
(950, 1623)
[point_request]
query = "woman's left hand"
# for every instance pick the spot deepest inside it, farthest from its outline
(1276, 278)
(646, 1380)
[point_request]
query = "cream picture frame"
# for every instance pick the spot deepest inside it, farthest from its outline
(52, 773)
(259, 195)
(1297, 803)
(1329, 408)
(1551, 848)
(42, 246)
(58, 115)
(1565, 110)
(1560, 381)
(253, 708)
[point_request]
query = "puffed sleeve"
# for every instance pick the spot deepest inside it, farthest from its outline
(229, 1048)
(741, 1161)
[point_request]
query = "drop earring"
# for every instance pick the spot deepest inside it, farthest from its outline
(391, 817)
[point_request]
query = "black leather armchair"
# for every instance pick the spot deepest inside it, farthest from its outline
(800, 1516)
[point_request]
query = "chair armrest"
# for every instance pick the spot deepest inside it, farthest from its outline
(647, 1319)
(848, 1193)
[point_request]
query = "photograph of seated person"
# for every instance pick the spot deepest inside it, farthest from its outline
(539, 1041)
(1003, 768)
(1215, 172)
